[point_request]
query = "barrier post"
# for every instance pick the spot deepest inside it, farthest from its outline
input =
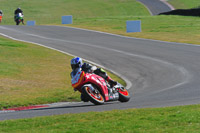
(30, 23)
(133, 26)
(67, 19)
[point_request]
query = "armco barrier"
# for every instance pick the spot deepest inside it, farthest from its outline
(67, 19)
(133, 26)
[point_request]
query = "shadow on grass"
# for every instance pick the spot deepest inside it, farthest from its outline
(184, 12)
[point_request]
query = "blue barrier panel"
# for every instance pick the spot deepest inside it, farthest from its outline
(67, 19)
(133, 26)
(30, 23)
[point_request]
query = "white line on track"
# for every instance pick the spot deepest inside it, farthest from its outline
(169, 5)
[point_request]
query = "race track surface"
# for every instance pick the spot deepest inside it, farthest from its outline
(159, 73)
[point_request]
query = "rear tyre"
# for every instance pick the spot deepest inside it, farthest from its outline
(123, 95)
(93, 95)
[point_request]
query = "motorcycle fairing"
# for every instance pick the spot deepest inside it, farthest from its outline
(77, 79)
(80, 78)
(99, 82)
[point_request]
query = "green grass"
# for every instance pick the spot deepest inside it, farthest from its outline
(50, 12)
(109, 16)
(185, 4)
(30, 74)
(183, 119)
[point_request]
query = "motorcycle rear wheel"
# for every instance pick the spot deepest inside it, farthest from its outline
(93, 96)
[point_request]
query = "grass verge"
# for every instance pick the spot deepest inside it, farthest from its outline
(184, 4)
(50, 12)
(180, 119)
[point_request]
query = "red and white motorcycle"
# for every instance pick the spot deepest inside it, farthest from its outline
(96, 90)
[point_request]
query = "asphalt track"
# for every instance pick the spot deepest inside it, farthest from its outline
(156, 7)
(159, 73)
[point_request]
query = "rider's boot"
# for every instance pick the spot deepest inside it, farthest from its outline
(111, 82)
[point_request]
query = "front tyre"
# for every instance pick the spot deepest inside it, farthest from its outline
(17, 22)
(123, 95)
(93, 95)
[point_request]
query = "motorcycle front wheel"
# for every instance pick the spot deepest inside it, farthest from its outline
(123, 95)
(17, 23)
(93, 95)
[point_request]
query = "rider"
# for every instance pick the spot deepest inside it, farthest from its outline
(1, 14)
(18, 10)
(76, 64)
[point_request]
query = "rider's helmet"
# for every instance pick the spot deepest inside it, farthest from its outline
(76, 63)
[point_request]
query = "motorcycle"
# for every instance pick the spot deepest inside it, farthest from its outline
(19, 18)
(95, 89)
